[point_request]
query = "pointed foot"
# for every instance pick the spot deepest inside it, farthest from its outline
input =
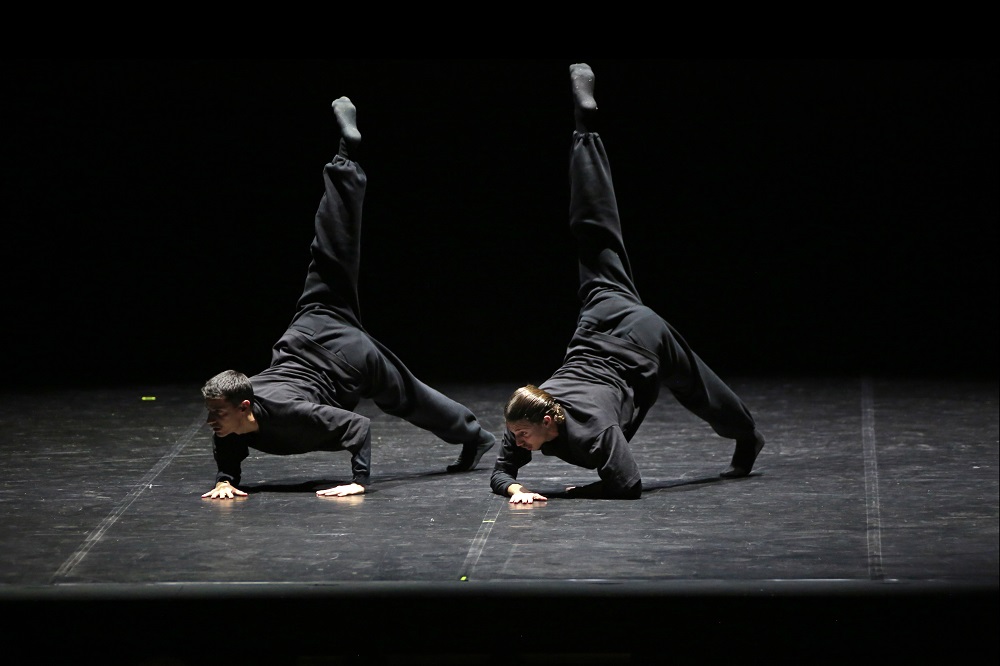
(347, 119)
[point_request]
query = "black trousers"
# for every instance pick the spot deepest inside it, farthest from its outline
(610, 302)
(329, 317)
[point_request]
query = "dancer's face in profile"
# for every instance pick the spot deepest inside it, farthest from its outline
(530, 435)
(225, 418)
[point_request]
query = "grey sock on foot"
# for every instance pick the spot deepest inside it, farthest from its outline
(347, 119)
(582, 79)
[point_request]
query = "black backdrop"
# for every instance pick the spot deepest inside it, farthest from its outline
(793, 217)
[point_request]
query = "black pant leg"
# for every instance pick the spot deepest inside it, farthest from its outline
(700, 390)
(332, 280)
(398, 392)
(594, 221)
(611, 301)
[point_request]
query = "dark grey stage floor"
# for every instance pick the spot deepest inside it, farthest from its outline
(868, 531)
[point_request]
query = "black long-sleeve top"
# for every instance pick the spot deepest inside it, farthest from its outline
(606, 385)
(294, 412)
